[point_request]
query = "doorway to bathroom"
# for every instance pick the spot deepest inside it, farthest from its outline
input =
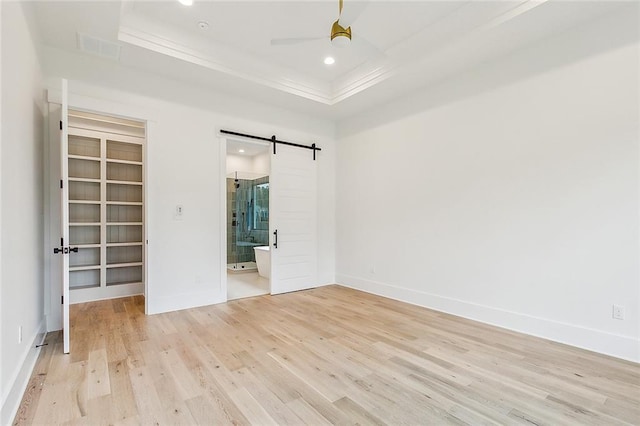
(247, 219)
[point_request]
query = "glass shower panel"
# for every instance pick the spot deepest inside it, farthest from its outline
(247, 219)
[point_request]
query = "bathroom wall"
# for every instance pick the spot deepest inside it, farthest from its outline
(261, 163)
(258, 164)
(240, 163)
(231, 235)
(237, 200)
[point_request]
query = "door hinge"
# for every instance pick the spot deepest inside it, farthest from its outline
(60, 124)
(62, 300)
(61, 185)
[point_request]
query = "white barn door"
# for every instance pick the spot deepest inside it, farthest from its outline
(293, 219)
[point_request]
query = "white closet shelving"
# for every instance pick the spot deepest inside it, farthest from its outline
(106, 212)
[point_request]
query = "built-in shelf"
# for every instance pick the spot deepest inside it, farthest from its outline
(85, 202)
(124, 203)
(83, 268)
(124, 282)
(81, 287)
(84, 157)
(124, 182)
(136, 163)
(91, 180)
(123, 265)
(106, 213)
(132, 244)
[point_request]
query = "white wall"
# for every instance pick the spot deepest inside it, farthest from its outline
(239, 163)
(259, 164)
(515, 203)
(262, 162)
(21, 291)
(183, 167)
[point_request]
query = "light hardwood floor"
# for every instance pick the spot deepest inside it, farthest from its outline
(325, 356)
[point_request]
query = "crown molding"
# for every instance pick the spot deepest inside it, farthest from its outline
(235, 64)
(138, 31)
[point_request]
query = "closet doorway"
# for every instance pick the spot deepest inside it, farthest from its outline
(248, 264)
(96, 236)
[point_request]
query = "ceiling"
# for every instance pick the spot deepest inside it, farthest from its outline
(397, 47)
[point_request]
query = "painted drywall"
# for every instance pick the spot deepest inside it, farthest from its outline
(22, 290)
(514, 203)
(239, 163)
(258, 164)
(183, 167)
(262, 162)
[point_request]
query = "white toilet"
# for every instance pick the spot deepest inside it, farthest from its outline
(263, 260)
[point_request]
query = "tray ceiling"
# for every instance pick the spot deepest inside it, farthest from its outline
(403, 44)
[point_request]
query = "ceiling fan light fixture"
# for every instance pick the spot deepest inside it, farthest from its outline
(340, 37)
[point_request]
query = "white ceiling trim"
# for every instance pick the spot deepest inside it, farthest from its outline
(318, 92)
(323, 95)
(179, 51)
(395, 62)
(366, 81)
(136, 30)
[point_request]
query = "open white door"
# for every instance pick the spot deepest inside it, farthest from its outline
(64, 248)
(293, 219)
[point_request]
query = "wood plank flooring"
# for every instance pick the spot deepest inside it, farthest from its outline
(330, 355)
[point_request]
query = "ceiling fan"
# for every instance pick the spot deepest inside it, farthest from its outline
(341, 34)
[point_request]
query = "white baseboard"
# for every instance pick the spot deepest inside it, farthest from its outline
(11, 400)
(82, 295)
(624, 347)
(159, 305)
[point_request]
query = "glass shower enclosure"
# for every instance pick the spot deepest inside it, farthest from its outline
(247, 219)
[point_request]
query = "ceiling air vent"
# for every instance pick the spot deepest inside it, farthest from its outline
(97, 46)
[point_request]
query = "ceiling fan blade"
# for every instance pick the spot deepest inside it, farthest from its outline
(295, 40)
(351, 10)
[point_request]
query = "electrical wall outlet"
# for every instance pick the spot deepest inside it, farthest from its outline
(618, 312)
(177, 215)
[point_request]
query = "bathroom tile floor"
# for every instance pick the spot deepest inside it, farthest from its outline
(246, 284)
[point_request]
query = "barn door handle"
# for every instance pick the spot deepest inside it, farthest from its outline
(275, 239)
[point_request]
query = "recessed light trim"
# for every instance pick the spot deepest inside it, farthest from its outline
(186, 2)
(241, 150)
(329, 60)
(203, 25)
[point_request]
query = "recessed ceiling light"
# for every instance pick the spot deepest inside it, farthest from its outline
(329, 60)
(186, 2)
(203, 25)
(241, 150)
